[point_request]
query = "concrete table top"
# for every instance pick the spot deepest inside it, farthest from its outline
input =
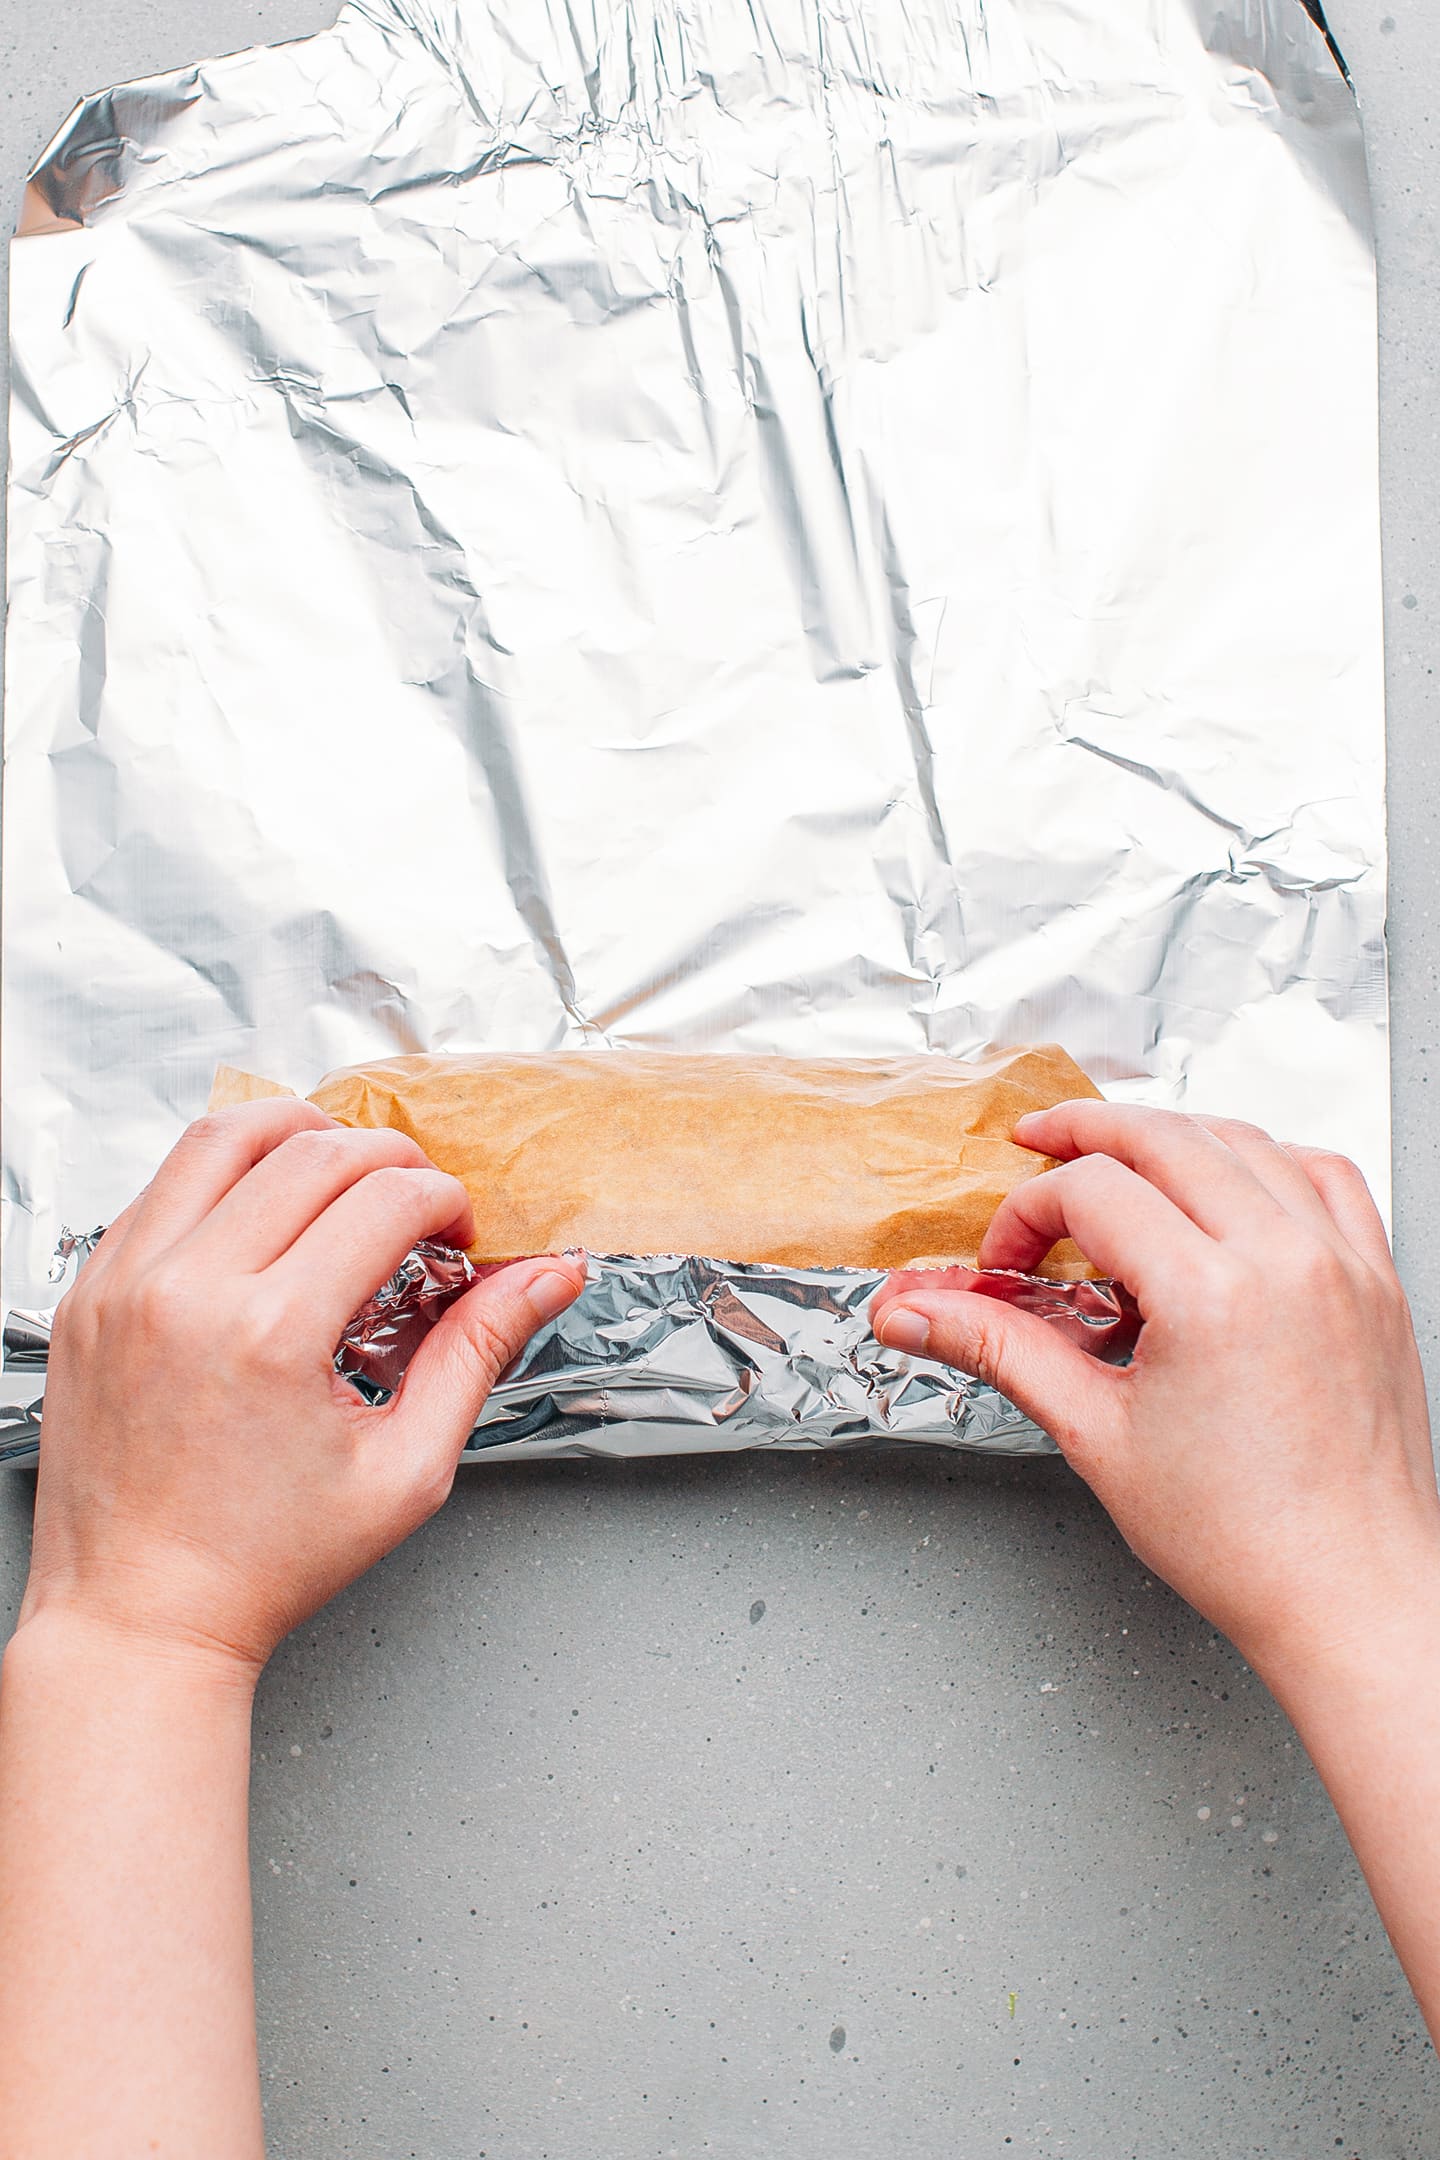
(808, 1805)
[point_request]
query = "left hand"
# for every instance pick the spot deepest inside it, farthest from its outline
(206, 1478)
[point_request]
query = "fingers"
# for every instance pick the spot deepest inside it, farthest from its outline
(264, 1215)
(1341, 1189)
(463, 1356)
(1098, 1319)
(359, 1240)
(208, 1159)
(1277, 1169)
(1068, 1394)
(1195, 1170)
(1122, 1224)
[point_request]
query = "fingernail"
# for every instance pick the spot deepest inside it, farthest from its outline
(902, 1329)
(550, 1293)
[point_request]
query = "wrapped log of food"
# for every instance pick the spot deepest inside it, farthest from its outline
(870, 1163)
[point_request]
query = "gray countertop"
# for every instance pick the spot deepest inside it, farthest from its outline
(861, 1805)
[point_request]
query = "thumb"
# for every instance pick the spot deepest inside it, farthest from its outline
(1067, 1393)
(460, 1360)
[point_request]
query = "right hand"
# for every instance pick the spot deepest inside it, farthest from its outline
(1267, 1452)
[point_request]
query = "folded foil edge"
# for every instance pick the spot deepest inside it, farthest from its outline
(668, 1353)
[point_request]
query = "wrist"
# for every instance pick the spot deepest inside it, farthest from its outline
(1374, 1625)
(115, 1651)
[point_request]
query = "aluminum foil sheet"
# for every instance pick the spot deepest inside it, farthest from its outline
(826, 526)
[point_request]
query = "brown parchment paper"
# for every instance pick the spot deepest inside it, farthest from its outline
(794, 1162)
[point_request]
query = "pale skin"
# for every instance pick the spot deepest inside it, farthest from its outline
(207, 1483)
(1267, 1452)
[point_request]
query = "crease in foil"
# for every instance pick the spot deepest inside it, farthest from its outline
(758, 525)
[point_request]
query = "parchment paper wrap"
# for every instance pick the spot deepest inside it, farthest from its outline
(722, 524)
(795, 1162)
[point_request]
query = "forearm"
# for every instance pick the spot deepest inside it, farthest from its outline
(1368, 1712)
(126, 1989)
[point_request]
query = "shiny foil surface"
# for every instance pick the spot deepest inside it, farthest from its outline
(845, 527)
(689, 1355)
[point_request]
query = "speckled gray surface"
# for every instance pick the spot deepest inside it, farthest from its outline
(871, 1806)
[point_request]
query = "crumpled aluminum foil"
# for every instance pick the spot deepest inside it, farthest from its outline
(808, 525)
(389, 1328)
(712, 1354)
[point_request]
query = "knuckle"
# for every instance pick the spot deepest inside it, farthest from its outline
(90, 1308)
(1078, 1123)
(1088, 1173)
(487, 1349)
(1130, 1117)
(222, 1130)
(161, 1302)
(389, 1146)
(214, 1128)
(1318, 1271)
(266, 1335)
(376, 1146)
(1234, 1128)
(309, 1140)
(1331, 1164)
(65, 1320)
(417, 1187)
(1226, 1290)
(985, 1348)
(278, 1117)
(312, 1144)
(1328, 1169)
(397, 1185)
(158, 1291)
(1080, 1109)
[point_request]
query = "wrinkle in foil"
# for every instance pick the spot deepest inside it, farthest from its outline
(758, 525)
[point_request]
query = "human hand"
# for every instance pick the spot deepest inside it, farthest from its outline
(206, 1478)
(1267, 1452)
